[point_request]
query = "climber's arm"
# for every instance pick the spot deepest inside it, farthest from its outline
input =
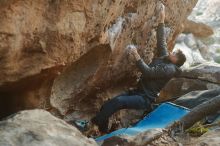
(147, 71)
(156, 72)
(161, 41)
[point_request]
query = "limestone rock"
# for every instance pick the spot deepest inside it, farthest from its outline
(210, 138)
(69, 53)
(141, 139)
(114, 70)
(198, 29)
(190, 41)
(208, 12)
(204, 50)
(194, 98)
(202, 77)
(209, 71)
(39, 127)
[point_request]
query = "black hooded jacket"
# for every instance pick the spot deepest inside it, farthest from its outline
(159, 71)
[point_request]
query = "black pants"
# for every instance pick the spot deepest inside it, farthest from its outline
(123, 101)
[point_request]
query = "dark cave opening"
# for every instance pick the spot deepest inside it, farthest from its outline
(28, 93)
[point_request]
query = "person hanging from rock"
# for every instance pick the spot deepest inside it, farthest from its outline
(154, 77)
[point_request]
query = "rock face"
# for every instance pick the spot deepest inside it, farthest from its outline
(208, 12)
(39, 127)
(201, 77)
(114, 71)
(209, 72)
(208, 139)
(198, 29)
(195, 98)
(141, 139)
(82, 42)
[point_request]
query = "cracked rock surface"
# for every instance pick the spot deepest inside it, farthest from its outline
(201, 77)
(39, 127)
(69, 56)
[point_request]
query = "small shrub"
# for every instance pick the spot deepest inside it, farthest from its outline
(197, 130)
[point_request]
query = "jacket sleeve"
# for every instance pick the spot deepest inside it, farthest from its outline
(156, 72)
(161, 40)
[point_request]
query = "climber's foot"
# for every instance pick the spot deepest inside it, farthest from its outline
(81, 125)
(102, 124)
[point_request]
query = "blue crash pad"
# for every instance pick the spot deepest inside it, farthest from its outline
(161, 117)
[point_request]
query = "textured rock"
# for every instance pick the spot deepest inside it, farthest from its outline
(141, 139)
(208, 71)
(151, 137)
(194, 98)
(115, 71)
(38, 127)
(83, 42)
(208, 12)
(210, 138)
(201, 77)
(198, 29)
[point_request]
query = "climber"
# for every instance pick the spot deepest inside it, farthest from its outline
(153, 79)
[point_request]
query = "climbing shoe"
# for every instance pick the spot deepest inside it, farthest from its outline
(81, 125)
(102, 124)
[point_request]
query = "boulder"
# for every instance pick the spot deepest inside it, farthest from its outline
(141, 139)
(197, 28)
(210, 138)
(190, 41)
(39, 127)
(65, 56)
(194, 98)
(158, 137)
(204, 50)
(84, 84)
(209, 72)
(201, 77)
(208, 12)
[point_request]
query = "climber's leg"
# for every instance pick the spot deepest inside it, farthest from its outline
(116, 104)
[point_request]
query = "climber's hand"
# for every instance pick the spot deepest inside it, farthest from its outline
(161, 12)
(133, 54)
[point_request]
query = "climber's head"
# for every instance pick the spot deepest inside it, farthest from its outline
(177, 58)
